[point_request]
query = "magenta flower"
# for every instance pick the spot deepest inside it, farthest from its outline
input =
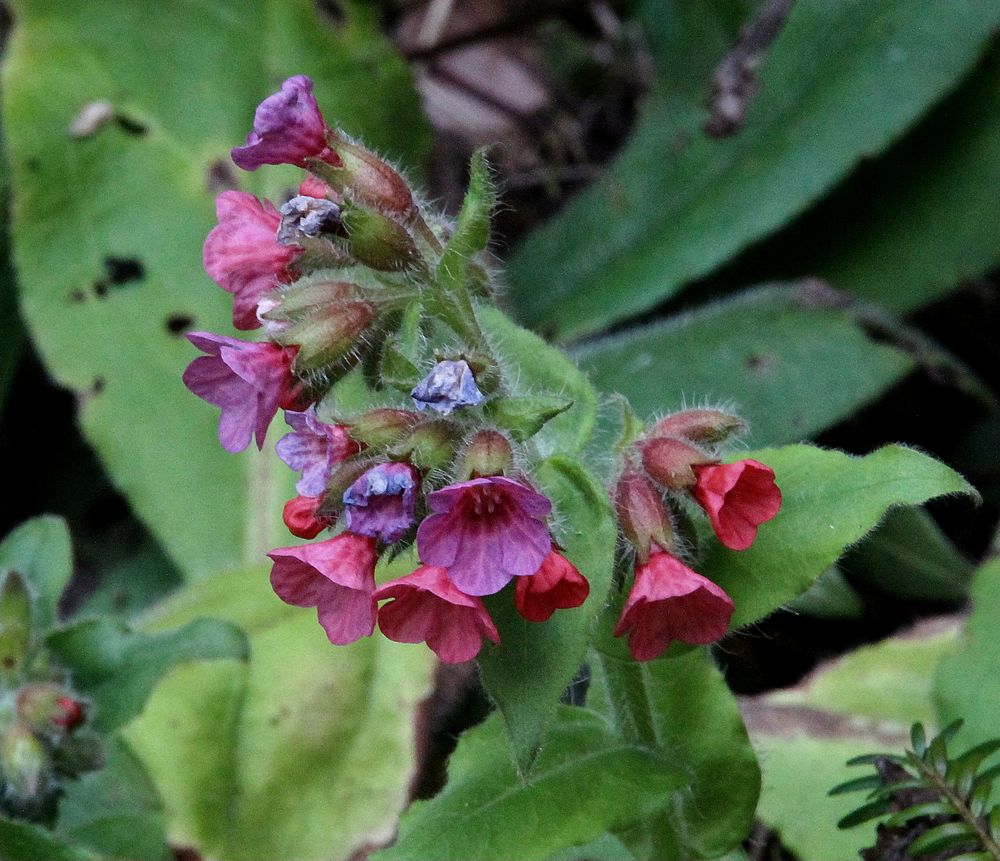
(737, 497)
(288, 128)
(427, 607)
(247, 381)
(380, 503)
(485, 532)
(337, 577)
(242, 255)
(313, 448)
(556, 585)
(671, 602)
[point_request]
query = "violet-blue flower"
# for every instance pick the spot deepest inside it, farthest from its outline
(448, 386)
(381, 501)
(313, 448)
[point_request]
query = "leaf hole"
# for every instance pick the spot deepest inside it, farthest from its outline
(760, 364)
(220, 177)
(98, 385)
(178, 324)
(131, 126)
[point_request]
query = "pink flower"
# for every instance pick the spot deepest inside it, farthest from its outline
(337, 577)
(288, 128)
(301, 516)
(557, 585)
(737, 497)
(428, 607)
(671, 602)
(314, 448)
(248, 381)
(242, 255)
(485, 532)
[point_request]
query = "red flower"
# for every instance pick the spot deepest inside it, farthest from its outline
(557, 585)
(671, 602)
(301, 517)
(337, 577)
(737, 497)
(428, 607)
(242, 255)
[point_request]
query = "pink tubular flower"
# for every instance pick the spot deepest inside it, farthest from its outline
(427, 606)
(248, 381)
(337, 577)
(557, 585)
(288, 128)
(313, 448)
(737, 497)
(485, 532)
(671, 602)
(242, 255)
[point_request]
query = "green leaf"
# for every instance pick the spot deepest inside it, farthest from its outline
(15, 625)
(40, 552)
(909, 556)
(865, 813)
(525, 416)
(530, 367)
(115, 810)
(586, 782)
(108, 228)
(118, 668)
(793, 366)
(966, 685)
(866, 783)
(11, 328)
(24, 841)
(677, 204)
(304, 752)
(928, 220)
(606, 848)
(830, 501)
(535, 661)
(951, 835)
(693, 719)
(830, 597)
(472, 230)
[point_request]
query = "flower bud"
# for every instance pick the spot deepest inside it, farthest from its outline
(669, 461)
(378, 241)
(15, 624)
(301, 516)
(489, 453)
(449, 386)
(308, 217)
(25, 763)
(429, 445)
(706, 426)
(47, 706)
(382, 427)
(642, 516)
(366, 178)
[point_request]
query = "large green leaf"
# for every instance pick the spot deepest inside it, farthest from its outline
(529, 366)
(40, 552)
(108, 228)
(585, 782)
(858, 704)
(535, 662)
(118, 668)
(677, 204)
(967, 686)
(792, 367)
(913, 226)
(830, 501)
(25, 841)
(305, 752)
(11, 330)
(684, 707)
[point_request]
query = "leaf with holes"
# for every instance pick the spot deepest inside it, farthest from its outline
(677, 204)
(108, 224)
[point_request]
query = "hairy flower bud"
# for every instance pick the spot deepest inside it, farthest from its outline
(670, 461)
(429, 445)
(25, 763)
(642, 516)
(488, 453)
(47, 706)
(382, 427)
(367, 179)
(301, 516)
(378, 241)
(706, 426)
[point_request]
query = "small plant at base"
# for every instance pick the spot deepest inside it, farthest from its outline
(933, 804)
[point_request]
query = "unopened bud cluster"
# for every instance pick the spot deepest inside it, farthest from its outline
(350, 276)
(42, 740)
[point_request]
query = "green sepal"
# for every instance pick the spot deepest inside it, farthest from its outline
(523, 417)
(15, 625)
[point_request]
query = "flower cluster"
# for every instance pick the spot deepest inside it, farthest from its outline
(328, 278)
(678, 459)
(349, 276)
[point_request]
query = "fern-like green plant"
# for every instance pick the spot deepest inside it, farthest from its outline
(929, 803)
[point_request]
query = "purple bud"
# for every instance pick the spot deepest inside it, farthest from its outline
(449, 386)
(380, 503)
